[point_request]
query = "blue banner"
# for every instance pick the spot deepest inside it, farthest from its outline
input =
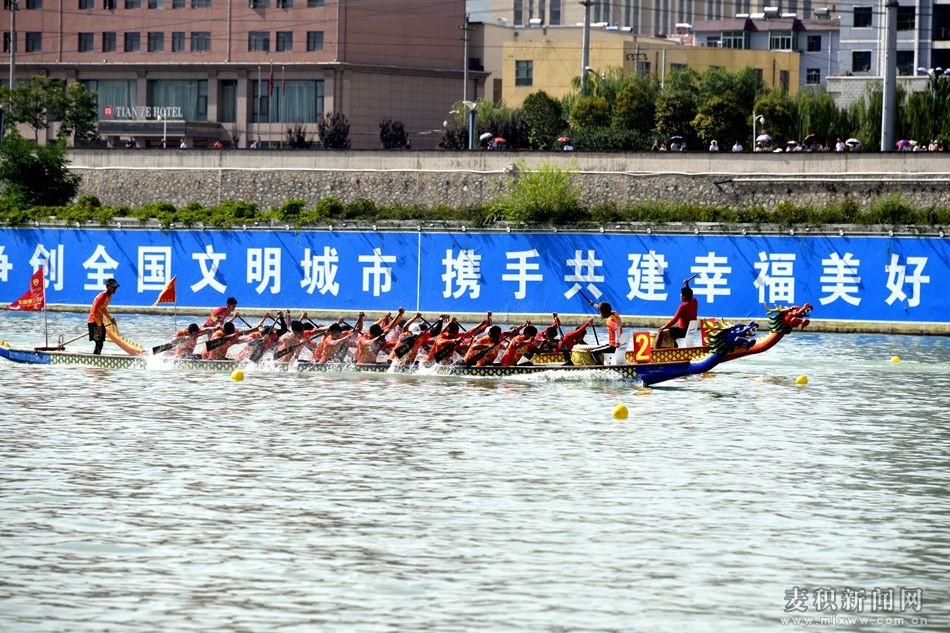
(844, 278)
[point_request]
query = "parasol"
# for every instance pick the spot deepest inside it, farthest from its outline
(485, 136)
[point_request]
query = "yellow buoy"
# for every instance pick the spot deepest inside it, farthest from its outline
(801, 380)
(620, 412)
(895, 359)
(237, 375)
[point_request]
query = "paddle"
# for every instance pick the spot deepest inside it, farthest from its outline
(215, 343)
(592, 304)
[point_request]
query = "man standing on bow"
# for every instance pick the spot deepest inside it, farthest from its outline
(99, 313)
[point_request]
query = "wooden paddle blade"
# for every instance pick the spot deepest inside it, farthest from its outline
(164, 347)
(285, 352)
(215, 343)
(258, 353)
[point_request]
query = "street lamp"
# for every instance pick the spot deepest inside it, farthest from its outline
(935, 74)
(471, 105)
(756, 118)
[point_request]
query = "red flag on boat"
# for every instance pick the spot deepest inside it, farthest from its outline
(168, 294)
(35, 298)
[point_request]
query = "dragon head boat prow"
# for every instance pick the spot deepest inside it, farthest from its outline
(738, 336)
(784, 319)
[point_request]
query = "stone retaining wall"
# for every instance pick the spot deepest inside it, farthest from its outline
(460, 179)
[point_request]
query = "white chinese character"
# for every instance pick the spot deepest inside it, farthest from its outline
(5, 266)
(796, 599)
(912, 598)
(840, 278)
(882, 599)
(263, 266)
(209, 262)
(102, 267)
(381, 275)
(319, 271)
(584, 272)
(710, 270)
(852, 599)
(825, 598)
(645, 276)
(52, 263)
(777, 275)
(155, 267)
(897, 276)
(523, 271)
(464, 270)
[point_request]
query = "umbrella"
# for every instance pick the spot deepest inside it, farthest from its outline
(564, 139)
(808, 140)
(485, 136)
(676, 138)
(901, 144)
(499, 139)
(792, 143)
(853, 141)
(763, 138)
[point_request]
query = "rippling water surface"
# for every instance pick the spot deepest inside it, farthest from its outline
(166, 500)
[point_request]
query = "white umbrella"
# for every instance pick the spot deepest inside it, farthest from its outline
(763, 138)
(486, 136)
(853, 141)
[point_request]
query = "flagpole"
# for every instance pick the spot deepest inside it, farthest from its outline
(260, 91)
(282, 101)
(45, 317)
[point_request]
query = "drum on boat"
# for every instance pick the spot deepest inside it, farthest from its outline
(580, 355)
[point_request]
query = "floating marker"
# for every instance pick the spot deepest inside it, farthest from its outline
(237, 375)
(620, 412)
(801, 380)
(895, 359)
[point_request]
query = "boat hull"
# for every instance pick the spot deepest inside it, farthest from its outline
(646, 374)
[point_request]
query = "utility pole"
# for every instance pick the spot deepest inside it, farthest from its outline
(585, 44)
(13, 8)
(889, 102)
(465, 29)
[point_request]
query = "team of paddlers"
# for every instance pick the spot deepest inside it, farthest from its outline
(392, 339)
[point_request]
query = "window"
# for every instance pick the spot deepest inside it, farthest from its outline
(34, 4)
(191, 95)
(813, 44)
(519, 12)
(178, 4)
(860, 61)
(906, 18)
(34, 42)
(6, 41)
(258, 4)
(178, 41)
(757, 73)
(200, 41)
(284, 4)
(524, 73)
(258, 41)
(156, 4)
(905, 62)
(108, 41)
(783, 80)
(290, 101)
(85, 42)
(556, 12)
(780, 40)
(133, 4)
(734, 39)
(813, 76)
(200, 4)
(87, 4)
(314, 41)
(156, 42)
(314, 3)
(285, 41)
(713, 41)
(132, 42)
(108, 5)
(227, 100)
(862, 17)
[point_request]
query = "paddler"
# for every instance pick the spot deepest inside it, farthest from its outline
(370, 344)
(226, 336)
(99, 316)
(225, 314)
(187, 339)
(448, 342)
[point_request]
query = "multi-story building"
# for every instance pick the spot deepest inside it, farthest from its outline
(816, 41)
(202, 70)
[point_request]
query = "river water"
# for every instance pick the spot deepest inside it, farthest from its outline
(160, 500)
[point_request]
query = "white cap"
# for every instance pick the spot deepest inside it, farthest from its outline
(415, 328)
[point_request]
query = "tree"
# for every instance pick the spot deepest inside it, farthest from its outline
(542, 114)
(675, 111)
(392, 134)
(816, 113)
(79, 117)
(34, 174)
(298, 136)
(721, 118)
(590, 112)
(779, 116)
(635, 106)
(334, 131)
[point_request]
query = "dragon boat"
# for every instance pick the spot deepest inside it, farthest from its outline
(721, 343)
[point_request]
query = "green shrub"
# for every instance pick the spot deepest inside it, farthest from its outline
(542, 195)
